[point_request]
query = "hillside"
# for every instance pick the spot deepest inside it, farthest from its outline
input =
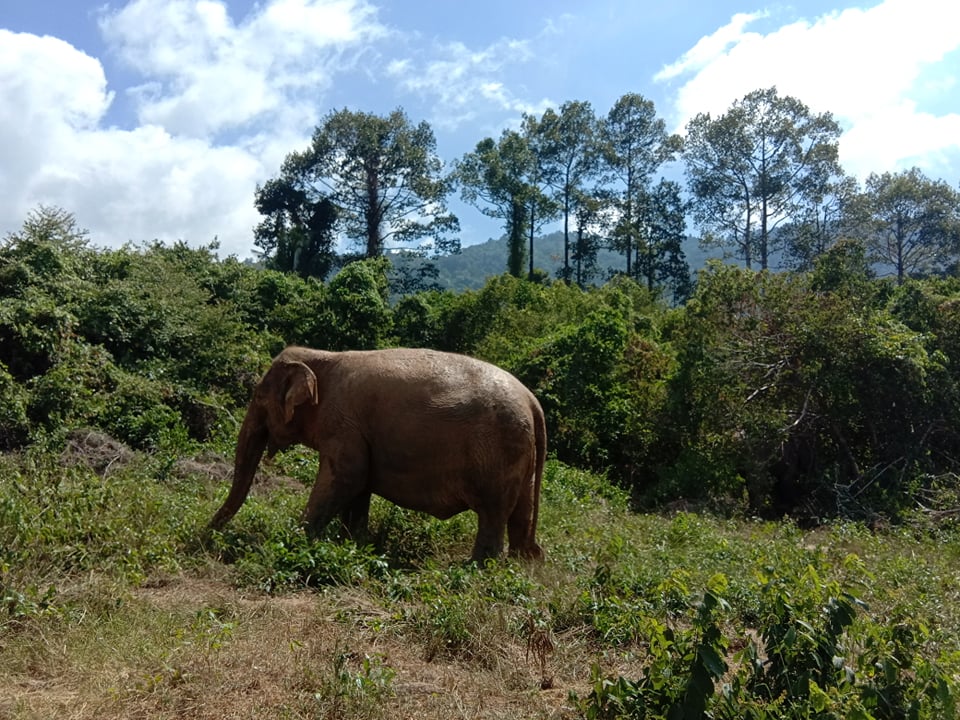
(470, 269)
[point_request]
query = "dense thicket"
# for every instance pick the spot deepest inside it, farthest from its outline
(814, 394)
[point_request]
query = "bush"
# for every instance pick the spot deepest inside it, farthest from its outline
(14, 424)
(824, 405)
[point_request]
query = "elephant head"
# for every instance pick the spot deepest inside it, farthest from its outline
(268, 425)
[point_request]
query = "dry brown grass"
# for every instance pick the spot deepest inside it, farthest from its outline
(189, 647)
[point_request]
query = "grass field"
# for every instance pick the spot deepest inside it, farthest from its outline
(116, 605)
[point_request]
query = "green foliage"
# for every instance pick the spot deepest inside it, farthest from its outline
(345, 692)
(272, 553)
(822, 403)
(817, 657)
(14, 424)
(60, 520)
(357, 307)
(766, 159)
(817, 395)
(911, 224)
(678, 681)
(495, 177)
(380, 174)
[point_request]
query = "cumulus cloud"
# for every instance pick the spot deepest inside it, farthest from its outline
(50, 92)
(866, 66)
(174, 176)
(204, 73)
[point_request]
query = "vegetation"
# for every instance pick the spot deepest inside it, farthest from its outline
(763, 185)
(750, 510)
(759, 164)
(376, 179)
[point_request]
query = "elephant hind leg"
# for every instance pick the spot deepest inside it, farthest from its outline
(489, 542)
(522, 529)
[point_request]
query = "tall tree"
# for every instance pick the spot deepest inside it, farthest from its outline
(912, 222)
(495, 177)
(297, 233)
(660, 259)
(588, 209)
(752, 167)
(822, 219)
(569, 151)
(541, 207)
(634, 142)
(384, 178)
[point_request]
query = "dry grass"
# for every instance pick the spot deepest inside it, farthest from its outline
(188, 647)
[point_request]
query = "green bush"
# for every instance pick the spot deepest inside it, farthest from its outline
(816, 655)
(824, 405)
(14, 424)
(357, 313)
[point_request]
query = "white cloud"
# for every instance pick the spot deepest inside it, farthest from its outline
(49, 93)
(866, 66)
(455, 77)
(205, 74)
(711, 47)
(171, 177)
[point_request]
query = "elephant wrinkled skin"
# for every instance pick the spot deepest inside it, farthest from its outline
(427, 430)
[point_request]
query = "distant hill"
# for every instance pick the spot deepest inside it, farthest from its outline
(470, 269)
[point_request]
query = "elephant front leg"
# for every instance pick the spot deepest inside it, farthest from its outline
(324, 502)
(356, 518)
(336, 491)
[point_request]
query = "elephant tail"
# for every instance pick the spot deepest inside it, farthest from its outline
(540, 442)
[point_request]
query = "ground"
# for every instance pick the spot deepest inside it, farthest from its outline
(211, 651)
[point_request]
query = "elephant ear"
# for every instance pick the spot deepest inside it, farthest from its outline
(300, 387)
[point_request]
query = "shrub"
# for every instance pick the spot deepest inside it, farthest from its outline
(14, 424)
(823, 405)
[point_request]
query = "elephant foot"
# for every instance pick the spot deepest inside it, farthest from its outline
(530, 552)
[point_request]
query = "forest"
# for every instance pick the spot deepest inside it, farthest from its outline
(751, 499)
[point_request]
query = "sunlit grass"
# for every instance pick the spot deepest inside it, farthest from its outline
(116, 602)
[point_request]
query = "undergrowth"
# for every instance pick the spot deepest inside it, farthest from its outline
(632, 615)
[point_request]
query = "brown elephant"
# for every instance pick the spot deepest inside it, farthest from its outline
(427, 430)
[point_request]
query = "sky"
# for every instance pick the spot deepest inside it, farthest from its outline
(156, 119)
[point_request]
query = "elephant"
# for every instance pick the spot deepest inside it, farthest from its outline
(432, 431)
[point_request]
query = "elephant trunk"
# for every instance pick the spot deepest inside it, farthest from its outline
(250, 447)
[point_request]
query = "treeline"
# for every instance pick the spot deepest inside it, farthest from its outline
(763, 182)
(815, 394)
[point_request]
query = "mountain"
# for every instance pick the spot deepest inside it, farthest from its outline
(470, 269)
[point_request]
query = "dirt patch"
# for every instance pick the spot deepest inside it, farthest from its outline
(202, 649)
(97, 450)
(105, 455)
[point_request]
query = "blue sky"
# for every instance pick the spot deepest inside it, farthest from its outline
(155, 119)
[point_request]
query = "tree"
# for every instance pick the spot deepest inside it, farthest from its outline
(383, 177)
(634, 143)
(495, 177)
(411, 274)
(822, 219)
(660, 259)
(298, 233)
(588, 212)
(755, 166)
(541, 208)
(569, 150)
(912, 223)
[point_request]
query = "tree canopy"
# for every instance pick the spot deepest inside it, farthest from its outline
(763, 182)
(377, 180)
(755, 166)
